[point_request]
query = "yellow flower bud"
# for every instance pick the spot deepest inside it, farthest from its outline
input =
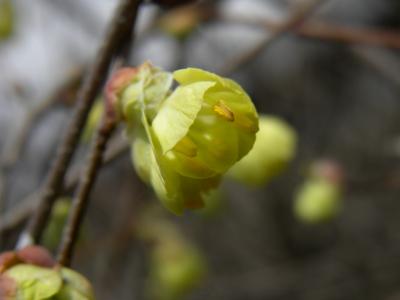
(273, 149)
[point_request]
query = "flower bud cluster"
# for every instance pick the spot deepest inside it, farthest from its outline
(183, 140)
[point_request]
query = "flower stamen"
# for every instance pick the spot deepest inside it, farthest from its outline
(222, 110)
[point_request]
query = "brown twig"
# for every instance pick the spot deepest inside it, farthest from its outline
(298, 17)
(120, 29)
(333, 32)
(81, 200)
(347, 34)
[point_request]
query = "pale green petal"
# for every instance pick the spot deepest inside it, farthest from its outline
(141, 157)
(35, 283)
(217, 144)
(178, 113)
(167, 186)
(192, 75)
(193, 167)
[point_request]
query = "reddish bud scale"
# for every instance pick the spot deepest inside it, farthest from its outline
(7, 260)
(34, 255)
(115, 85)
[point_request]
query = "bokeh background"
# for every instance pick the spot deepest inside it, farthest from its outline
(342, 97)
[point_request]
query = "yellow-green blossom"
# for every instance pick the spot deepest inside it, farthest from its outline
(274, 148)
(184, 140)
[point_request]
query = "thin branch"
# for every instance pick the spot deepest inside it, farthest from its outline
(298, 17)
(347, 34)
(333, 32)
(81, 201)
(121, 28)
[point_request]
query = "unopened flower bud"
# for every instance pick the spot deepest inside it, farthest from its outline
(317, 200)
(273, 149)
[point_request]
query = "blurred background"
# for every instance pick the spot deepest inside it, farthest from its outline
(334, 79)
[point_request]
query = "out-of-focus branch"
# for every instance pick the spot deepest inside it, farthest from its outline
(333, 32)
(296, 19)
(81, 201)
(120, 29)
(347, 34)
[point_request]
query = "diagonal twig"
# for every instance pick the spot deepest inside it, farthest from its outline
(18, 214)
(80, 202)
(120, 29)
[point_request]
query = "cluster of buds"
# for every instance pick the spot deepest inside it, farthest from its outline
(32, 274)
(183, 140)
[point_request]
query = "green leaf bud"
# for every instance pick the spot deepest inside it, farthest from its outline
(273, 149)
